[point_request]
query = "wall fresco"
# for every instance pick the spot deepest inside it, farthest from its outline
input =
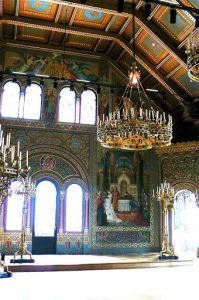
(56, 65)
(123, 190)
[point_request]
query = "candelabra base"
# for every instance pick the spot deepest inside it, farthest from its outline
(22, 260)
(167, 257)
(5, 274)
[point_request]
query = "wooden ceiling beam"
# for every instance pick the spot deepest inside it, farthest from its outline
(124, 26)
(110, 23)
(121, 55)
(55, 21)
(46, 25)
(73, 16)
(51, 49)
(97, 44)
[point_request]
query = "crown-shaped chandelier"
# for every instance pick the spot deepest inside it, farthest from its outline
(193, 57)
(136, 124)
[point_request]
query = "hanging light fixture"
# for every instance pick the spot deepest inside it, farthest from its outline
(193, 57)
(136, 124)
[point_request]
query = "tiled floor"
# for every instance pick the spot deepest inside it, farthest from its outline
(166, 283)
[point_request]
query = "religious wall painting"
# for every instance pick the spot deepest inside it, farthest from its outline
(55, 65)
(123, 190)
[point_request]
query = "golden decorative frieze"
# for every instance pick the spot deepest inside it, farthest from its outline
(179, 147)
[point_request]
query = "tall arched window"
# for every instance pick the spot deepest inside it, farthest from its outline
(73, 109)
(45, 209)
(74, 208)
(88, 108)
(10, 100)
(32, 102)
(14, 209)
(186, 222)
(21, 105)
(67, 106)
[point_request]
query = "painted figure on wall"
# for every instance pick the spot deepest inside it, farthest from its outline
(123, 181)
(115, 198)
(101, 213)
(50, 105)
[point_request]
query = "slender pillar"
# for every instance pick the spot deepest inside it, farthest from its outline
(61, 211)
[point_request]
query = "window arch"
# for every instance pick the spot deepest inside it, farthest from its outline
(186, 221)
(67, 106)
(14, 207)
(73, 109)
(16, 104)
(32, 102)
(10, 99)
(88, 107)
(74, 208)
(45, 208)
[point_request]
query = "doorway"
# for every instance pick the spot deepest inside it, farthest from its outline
(44, 237)
(186, 223)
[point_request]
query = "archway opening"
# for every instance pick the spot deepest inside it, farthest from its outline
(186, 223)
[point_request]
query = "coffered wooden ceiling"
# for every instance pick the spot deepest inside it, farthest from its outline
(96, 30)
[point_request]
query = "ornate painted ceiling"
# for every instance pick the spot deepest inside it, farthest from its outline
(96, 30)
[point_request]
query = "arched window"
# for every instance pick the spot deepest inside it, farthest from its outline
(32, 102)
(45, 209)
(186, 222)
(14, 209)
(21, 105)
(72, 109)
(10, 100)
(74, 208)
(67, 106)
(88, 108)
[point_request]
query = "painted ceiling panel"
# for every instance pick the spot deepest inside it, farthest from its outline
(169, 66)
(35, 34)
(150, 47)
(91, 18)
(103, 46)
(117, 23)
(66, 13)
(178, 31)
(194, 3)
(116, 51)
(38, 9)
(57, 38)
(77, 41)
(129, 29)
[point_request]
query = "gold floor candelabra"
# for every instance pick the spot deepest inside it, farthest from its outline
(11, 170)
(27, 191)
(165, 196)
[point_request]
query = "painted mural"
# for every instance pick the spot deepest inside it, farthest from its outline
(56, 65)
(123, 195)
